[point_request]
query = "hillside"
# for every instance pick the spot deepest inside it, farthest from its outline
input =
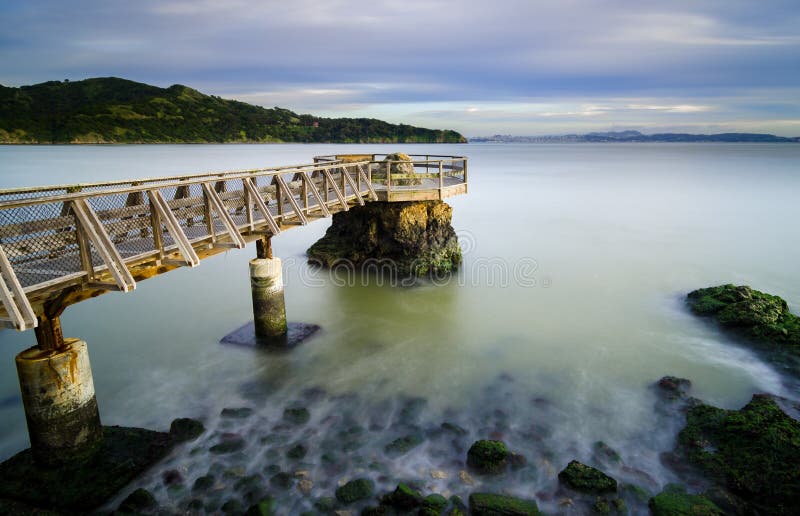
(636, 136)
(112, 110)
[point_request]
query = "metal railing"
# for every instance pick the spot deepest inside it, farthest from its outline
(93, 235)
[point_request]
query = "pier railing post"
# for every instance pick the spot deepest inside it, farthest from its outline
(266, 286)
(57, 388)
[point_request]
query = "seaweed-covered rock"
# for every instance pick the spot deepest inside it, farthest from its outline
(137, 501)
(487, 457)
(298, 451)
(228, 443)
(674, 501)
(433, 505)
(586, 479)
(754, 452)
(405, 238)
(355, 490)
(605, 453)
(403, 497)
(236, 413)
(673, 388)
(761, 316)
(265, 507)
(186, 429)
(403, 444)
(488, 504)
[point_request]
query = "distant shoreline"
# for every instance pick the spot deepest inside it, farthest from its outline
(637, 137)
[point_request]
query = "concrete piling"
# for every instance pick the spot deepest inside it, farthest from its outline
(269, 307)
(59, 400)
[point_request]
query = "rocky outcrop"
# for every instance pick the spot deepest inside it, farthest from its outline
(405, 238)
(399, 164)
(752, 452)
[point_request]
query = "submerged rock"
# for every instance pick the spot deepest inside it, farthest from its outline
(487, 457)
(137, 501)
(296, 415)
(403, 444)
(185, 429)
(586, 479)
(355, 490)
(403, 497)
(488, 504)
(673, 388)
(404, 238)
(674, 501)
(236, 413)
(753, 452)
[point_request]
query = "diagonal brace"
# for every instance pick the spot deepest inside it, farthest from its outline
(19, 309)
(173, 227)
(218, 206)
(255, 196)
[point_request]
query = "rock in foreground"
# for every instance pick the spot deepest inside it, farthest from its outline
(406, 238)
(487, 504)
(586, 479)
(753, 452)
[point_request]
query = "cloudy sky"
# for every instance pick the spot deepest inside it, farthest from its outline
(523, 67)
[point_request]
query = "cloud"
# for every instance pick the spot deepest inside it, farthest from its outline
(578, 59)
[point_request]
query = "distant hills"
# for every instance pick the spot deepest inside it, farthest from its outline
(636, 136)
(113, 110)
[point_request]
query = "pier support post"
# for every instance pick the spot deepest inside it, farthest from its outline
(55, 380)
(266, 285)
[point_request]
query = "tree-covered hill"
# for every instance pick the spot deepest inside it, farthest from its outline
(112, 110)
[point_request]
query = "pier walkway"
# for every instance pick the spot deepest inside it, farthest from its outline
(63, 244)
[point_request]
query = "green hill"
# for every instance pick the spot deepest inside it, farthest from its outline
(112, 110)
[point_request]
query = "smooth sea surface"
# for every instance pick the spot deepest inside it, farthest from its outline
(568, 307)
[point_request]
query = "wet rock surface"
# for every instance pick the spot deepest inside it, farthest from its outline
(586, 479)
(397, 238)
(763, 319)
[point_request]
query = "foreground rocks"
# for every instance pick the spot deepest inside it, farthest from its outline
(405, 238)
(753, 452)
(81, 486)
(762, 318)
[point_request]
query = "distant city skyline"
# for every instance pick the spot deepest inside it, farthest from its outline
(506, 67)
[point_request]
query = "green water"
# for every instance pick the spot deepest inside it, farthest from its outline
(577, 260)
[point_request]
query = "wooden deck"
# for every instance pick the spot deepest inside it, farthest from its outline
(62, 244)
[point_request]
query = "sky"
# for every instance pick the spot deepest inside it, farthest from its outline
(522, 67)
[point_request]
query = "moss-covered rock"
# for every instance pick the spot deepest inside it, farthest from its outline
(487, 457)
(399, 164)
(488, 504)
(79, 487)
(763, 317)
(674, 501)
(433, 505)
(355, 490)
(403, 444)
(403, 497)
(754, 452)
(586, 479)
(296, 415)
(405, 238)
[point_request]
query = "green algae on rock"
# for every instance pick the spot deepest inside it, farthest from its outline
(675, 501)
(761, 316)
(489, 504)
(753, 452)
(487, 457)
(586, 479)
(355, 490)
(407, 238)
(403, 497)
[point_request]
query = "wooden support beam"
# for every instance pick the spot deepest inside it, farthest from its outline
(255, 196)
(367, 181)
(168, 219)
(96, 234)
(292, 201)
(218, 206)
(352, 184)
(264, 247)
(20, 313)
(335, 189)
(309, 182)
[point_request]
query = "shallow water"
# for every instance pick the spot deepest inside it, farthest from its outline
(569, 305)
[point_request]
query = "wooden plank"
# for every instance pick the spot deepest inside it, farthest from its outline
(101, 242)
(216, 204)
(368, 182)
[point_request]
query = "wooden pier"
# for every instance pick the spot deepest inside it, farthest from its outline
(62, 244)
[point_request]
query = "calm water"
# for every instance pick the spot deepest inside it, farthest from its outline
(569, 304)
